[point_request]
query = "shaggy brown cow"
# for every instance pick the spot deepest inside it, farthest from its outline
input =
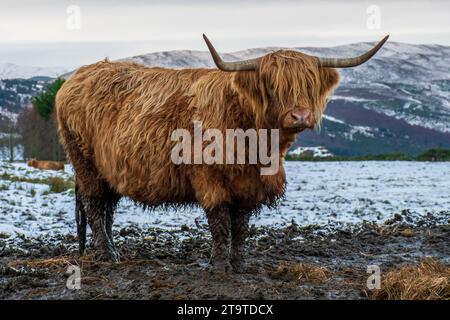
(46, 165)
(116, 121)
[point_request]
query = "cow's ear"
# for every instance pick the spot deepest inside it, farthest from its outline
(330, 79)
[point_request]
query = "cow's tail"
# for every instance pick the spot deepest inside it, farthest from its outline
(80, 217)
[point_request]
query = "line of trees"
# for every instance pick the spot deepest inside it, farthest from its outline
(38, 128)
(435, 154)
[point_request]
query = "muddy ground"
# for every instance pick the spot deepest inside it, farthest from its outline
(286, 263)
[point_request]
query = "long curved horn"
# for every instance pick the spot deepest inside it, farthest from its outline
(351, 62)
(243, 65)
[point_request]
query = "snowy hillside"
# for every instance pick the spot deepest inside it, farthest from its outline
(14, 71)
(15, 95)
(406, 63)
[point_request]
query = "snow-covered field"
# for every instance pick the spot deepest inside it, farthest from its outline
(325, 193)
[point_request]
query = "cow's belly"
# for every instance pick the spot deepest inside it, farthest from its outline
(151, 183)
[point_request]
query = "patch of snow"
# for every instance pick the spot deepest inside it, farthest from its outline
(348, 98)
(7, 230)
(8, 114)
(320, 151)
(366, 131)
(5, 151)
(333, 119)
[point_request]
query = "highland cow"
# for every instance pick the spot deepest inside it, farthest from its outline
(46, 165)
(116, 120)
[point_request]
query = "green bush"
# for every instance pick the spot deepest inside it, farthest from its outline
(45, 102)
(58, 184)
(436, 154)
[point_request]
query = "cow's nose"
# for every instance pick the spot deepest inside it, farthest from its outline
(298, 118)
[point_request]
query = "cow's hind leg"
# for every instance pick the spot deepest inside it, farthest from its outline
(98, 211)
(95, 201)
(239, 232)
(111, 205)
(220, 226)
(80, 218)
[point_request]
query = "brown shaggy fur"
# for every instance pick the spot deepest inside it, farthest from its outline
(116, 121)
(46, 165)
(122, 116)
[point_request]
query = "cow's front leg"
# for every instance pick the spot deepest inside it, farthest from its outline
(239, 232)
(99, 215)
(220, 227)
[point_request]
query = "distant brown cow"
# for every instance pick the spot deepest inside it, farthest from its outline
(116, 122)
(46, 165)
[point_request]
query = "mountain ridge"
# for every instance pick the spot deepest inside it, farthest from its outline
(15, 71)
(405, 86)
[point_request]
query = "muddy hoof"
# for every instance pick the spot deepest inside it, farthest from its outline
(221, 267)
(108, 256)
(239, 265)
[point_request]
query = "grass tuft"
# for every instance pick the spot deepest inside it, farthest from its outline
(427, 281)
(56, 184)
(302, 272)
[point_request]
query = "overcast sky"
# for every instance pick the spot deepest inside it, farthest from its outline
(52, 33)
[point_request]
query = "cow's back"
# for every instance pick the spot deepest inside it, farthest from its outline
(122, 116)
